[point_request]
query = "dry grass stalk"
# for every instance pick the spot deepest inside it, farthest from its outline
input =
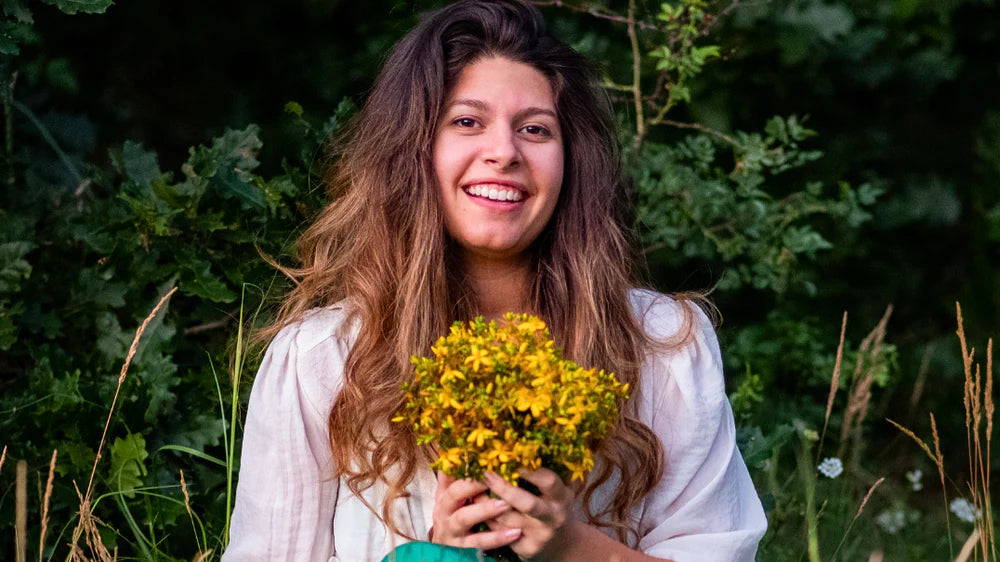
(868, 496)
(988, 392)
(939, 462)
(21, 512)
(3, 456)
(939, 458)
(187, 498)
(966, 390)
(935, 456)
(87, 524)
(86, 528)
(834, 384)
(918, 386)
(978, 401)
(202, 556)
(913, 436)
(861, 383)
(187, 505)
(969, 546)
(45, 504)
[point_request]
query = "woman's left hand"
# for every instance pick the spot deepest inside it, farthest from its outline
(545, 520)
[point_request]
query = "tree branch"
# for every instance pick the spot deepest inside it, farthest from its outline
(640, 119)
(610, 16)
(697, 126)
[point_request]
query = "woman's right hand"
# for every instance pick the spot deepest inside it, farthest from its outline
(456, 512)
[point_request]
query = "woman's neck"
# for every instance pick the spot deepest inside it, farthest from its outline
(500, 286)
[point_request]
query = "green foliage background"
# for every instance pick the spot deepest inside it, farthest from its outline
(814, 157)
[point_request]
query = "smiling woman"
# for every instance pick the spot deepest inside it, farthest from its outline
(481, 177)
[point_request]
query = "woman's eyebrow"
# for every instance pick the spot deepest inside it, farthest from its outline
(485, 107)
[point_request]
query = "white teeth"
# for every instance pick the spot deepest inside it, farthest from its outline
(495, 194)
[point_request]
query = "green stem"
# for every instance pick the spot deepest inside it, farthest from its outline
(809, 485)
(231, 454)
(49, 139)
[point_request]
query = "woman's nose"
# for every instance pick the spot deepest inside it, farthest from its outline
(501, 149)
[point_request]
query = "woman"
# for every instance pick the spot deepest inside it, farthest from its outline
(482, 176)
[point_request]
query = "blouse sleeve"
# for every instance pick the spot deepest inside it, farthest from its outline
(705, 507)
(287, 495)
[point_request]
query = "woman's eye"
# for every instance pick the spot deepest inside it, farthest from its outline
(536, 130)
(465, 122)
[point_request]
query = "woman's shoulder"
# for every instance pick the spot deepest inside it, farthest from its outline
(309, 354)
(682, 363)
(672, 320)
(332, 325)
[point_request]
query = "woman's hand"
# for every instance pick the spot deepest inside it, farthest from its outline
(460, 505)
(545, 522)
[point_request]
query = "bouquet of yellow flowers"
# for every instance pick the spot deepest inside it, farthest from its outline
(498, 397)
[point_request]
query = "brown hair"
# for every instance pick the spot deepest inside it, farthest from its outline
(382, 246)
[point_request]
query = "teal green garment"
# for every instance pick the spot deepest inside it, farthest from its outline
(427, 552)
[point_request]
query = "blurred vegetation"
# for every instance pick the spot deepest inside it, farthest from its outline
(805, 158)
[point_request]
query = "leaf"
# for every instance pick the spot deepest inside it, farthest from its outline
(228, 163)
(13, 267)
(72, 7)
(757, 448)
(112, 341)
(138, 165)
(80, 457)
(96, 287)
(128, 467)
(194, 453)
(294, 108)
(200, 430)
(158, 376)
(58, 393)
(204, 284)
(8, 331)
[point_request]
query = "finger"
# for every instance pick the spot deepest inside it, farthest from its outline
(443, 481)
(521, 500)
(488, 540)
(547, 482)
(469, 516)
(453, 494)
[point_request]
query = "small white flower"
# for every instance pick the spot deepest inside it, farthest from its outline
(915, 476)
(964, 510)
(831, 467)
(891, 520)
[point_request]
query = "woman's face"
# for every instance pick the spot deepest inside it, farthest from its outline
(498, 157)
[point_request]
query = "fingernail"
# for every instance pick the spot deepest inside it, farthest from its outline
(499, 504)
(512, 533)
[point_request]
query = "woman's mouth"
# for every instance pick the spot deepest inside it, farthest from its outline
(495, 192)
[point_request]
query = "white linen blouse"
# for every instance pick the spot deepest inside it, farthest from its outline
(290, 507)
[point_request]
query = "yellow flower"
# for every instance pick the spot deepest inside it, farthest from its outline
(537, 402)
(449, 458)
(451, 374)
(479, 357)
(480, 435)
(532, 324)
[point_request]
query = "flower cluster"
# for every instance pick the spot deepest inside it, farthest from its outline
(965, 510)
(831, 467)
(498, 397)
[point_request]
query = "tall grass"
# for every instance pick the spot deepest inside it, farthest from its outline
(977, 399)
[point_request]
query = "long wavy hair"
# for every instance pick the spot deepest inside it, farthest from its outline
(381, 246)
